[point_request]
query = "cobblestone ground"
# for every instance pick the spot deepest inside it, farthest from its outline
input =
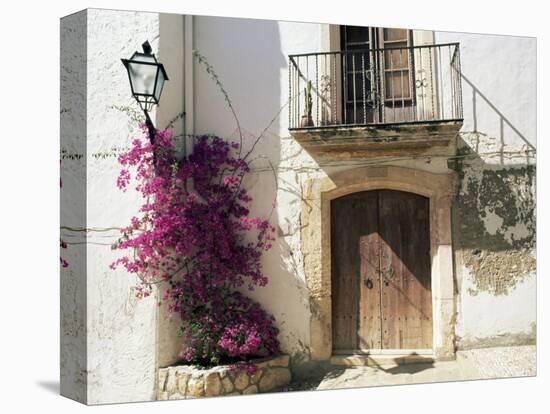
(473, 364)
(514, 361)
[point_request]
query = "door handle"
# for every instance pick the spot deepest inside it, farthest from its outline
(369, 284)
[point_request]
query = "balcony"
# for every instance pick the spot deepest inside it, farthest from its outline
(362, 103)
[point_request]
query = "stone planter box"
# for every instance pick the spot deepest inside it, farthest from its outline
(187, 381)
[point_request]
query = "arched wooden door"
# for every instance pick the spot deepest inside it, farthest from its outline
(381, 273)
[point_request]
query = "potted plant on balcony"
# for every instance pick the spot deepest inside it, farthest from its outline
(307, 120)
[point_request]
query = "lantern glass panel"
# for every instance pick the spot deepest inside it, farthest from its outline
(160, 84)
(143, 71)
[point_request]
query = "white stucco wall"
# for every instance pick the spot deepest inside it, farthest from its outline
(121, 328)
(501, 70)
(122, 333)
(485, 316)
(127, 339)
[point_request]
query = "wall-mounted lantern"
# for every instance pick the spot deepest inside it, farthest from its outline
(147, 77)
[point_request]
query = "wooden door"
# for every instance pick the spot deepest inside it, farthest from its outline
(381, 293)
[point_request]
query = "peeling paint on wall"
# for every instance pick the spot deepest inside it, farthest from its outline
(498, 272)
(495, 224)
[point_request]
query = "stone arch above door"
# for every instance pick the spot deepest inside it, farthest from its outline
(315, 244)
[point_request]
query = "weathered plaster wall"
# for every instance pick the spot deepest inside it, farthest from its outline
(494, 215)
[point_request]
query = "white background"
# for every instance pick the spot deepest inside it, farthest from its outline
(29, 205)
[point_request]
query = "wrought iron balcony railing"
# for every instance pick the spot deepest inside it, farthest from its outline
(376, 86)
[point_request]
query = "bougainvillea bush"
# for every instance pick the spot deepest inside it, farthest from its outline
(195, 234)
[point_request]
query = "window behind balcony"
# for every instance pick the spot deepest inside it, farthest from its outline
(377, 73)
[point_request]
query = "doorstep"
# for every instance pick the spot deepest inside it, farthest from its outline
(384, 357)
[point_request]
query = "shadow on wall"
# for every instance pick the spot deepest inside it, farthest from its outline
(243, 52)
(502, 120)
(494, 212)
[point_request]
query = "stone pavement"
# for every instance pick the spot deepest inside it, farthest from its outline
(483, 363)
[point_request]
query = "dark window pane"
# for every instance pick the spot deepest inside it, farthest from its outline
(359, 79)
(357, 34)
(361, 60)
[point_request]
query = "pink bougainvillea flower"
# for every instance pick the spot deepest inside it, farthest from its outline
(195, 234)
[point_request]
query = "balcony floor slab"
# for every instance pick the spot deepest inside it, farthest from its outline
(365, 141)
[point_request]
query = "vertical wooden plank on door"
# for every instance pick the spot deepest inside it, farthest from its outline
(421, 228)
(370, 328)
(390, 247)
(344, 280)
(405, 271)
(352, 217)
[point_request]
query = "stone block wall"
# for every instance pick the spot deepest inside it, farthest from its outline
(187, 381)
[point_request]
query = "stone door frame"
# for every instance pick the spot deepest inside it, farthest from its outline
(315, 233)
